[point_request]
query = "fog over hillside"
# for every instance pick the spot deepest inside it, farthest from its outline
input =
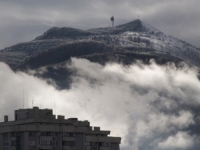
(151, 107)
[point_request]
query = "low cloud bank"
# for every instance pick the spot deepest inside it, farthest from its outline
(149, 106)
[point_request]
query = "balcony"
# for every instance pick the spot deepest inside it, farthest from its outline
(69, 147)
(68, 138)
(47, 147)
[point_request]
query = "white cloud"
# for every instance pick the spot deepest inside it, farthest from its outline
(179, 141)
(147, 105)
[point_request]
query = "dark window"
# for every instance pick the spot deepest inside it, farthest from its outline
(56, 134)
(12, 134)
(30, 133)
(6, 143)
(5, 135)
(68, 143)
(48, 133)
(56, 143)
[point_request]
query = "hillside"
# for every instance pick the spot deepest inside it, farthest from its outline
(64, 52)
(124, 44)
(134, 35)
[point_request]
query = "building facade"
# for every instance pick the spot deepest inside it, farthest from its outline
(39, 129)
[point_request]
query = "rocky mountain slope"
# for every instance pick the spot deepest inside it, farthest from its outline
(133, 36)
(124, 44)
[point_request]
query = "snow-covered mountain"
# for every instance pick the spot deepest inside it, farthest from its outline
(152, 41)
(133, 37)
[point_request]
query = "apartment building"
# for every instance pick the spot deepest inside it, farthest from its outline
(39, 129)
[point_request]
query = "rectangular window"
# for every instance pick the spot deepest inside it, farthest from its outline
(5, 135)
(72, 134)
(67, 134)
(108, 144)
(87, 143)
(17, 133)
(48, 142)
(30, 133)
(68, 143)
(93, 144)
(32, 143)
(56, 143)
(49, 133)
(6, 143)
(56, 134)
(12, 134)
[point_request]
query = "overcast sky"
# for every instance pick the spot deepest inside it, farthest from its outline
(22, 20)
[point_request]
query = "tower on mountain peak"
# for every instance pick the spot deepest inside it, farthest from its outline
(112, 19)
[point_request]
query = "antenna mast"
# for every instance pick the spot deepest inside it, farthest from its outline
(54, 103)
(33, 102)
(23, 98)
(112, 19)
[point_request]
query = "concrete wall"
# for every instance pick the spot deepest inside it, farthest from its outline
(23, 114)
(115, 146)
(80, 141)
(103, 139)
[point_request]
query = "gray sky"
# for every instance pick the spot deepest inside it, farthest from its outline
(22, 20)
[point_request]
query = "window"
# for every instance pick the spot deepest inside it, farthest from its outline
(30, 133)
(48, 142)
(6, 143)
(44, 142)
(68, 143)
(12, 143)
(72, 134)
(46, 133)
(12, 134)
(93, 144)
(5, 135)
(87, 143)
(32, 143)
(17, 133)
(67, 134)
(56, 134)
(71, 143)
(108, 144)
(49, 133)
(43, 134)
(55, 143)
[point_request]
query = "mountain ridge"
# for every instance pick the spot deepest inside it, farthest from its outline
(133, 36)
(124, 44)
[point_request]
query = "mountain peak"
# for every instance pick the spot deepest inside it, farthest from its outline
(135, 25)
(68, 32)
(134, 36)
